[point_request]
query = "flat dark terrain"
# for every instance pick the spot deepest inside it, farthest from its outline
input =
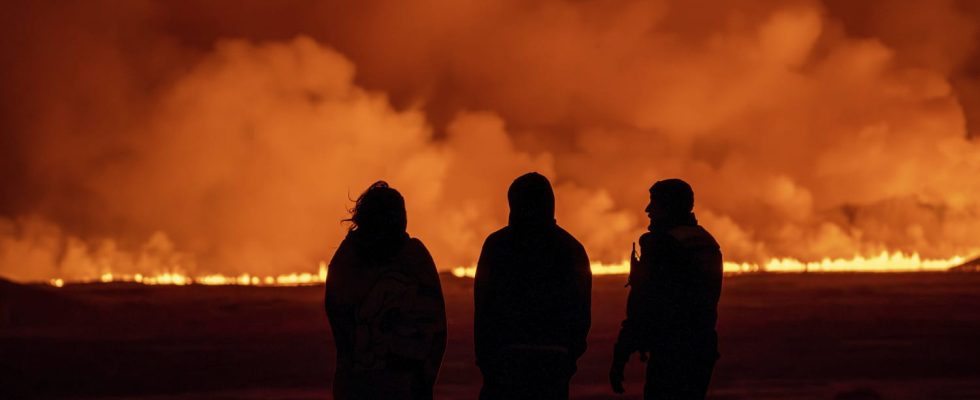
(839, 336)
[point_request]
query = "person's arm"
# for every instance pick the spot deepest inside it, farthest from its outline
(707, 287)
(432, 289)
(339, 316)
(631, 335)
(339, 264)
(582, 312)
(631, 332)
(482, 330)
(715, 276)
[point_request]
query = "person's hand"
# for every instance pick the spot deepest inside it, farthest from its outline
(634, 258)
(621, 356)
(616, 379)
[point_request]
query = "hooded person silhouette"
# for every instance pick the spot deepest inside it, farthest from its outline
(532, 300)
(385, 305)
(673, 300)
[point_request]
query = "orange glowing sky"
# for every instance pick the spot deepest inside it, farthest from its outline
(227, 137)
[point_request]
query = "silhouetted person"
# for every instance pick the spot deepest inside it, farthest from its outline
(673, 300)
(385, 305)
(532, 298)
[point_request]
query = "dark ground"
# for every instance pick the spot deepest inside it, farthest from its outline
(840, 336)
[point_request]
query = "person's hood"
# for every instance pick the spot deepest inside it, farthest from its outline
(532, 202)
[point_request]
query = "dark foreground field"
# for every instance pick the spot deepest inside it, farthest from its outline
(894, 336)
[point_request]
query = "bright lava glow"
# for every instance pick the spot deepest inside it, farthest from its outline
(181, 279)
(882, 263)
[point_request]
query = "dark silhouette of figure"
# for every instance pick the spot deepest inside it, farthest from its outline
(673, 300)
(533, 300)
(385, 305)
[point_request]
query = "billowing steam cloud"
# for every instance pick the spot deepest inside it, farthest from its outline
(146, 136)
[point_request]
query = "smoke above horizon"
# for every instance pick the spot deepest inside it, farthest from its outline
(231, 136)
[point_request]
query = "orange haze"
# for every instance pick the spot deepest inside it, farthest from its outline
(226, 137)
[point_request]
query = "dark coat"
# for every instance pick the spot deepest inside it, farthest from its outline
(532, 293)
(388, 320)
(673, 301)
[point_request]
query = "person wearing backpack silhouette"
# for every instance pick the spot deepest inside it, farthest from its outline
(671, 311)
(385, 306)
(532, 300)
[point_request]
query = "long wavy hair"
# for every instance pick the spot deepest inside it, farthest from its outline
(378, 221)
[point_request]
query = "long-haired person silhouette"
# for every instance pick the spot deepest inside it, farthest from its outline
(385, 305)
(673, 300)
(532, 294)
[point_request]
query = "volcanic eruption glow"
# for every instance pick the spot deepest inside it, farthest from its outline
(181, 279)
(170, 142)
(883, 263)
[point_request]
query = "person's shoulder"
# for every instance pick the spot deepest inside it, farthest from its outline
(498, 236)
(654, 236)
(415, 246)
(567, 238)
(657, 239)
(694, 236)
(708, 237)
(647, 237)
(415, 242)
(344, 251)
(418, 259)
(346, 242)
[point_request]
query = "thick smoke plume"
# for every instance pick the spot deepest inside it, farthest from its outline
(230, 136)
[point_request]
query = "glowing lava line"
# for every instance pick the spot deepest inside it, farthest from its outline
(181, 279)
(882, 263)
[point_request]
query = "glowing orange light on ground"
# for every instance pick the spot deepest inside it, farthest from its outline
(884, 262)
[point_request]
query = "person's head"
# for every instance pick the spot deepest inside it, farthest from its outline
(532, 201)
(670, 199)
(380, 209)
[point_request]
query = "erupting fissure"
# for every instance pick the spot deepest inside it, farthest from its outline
(180, 279)
(885, 262)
